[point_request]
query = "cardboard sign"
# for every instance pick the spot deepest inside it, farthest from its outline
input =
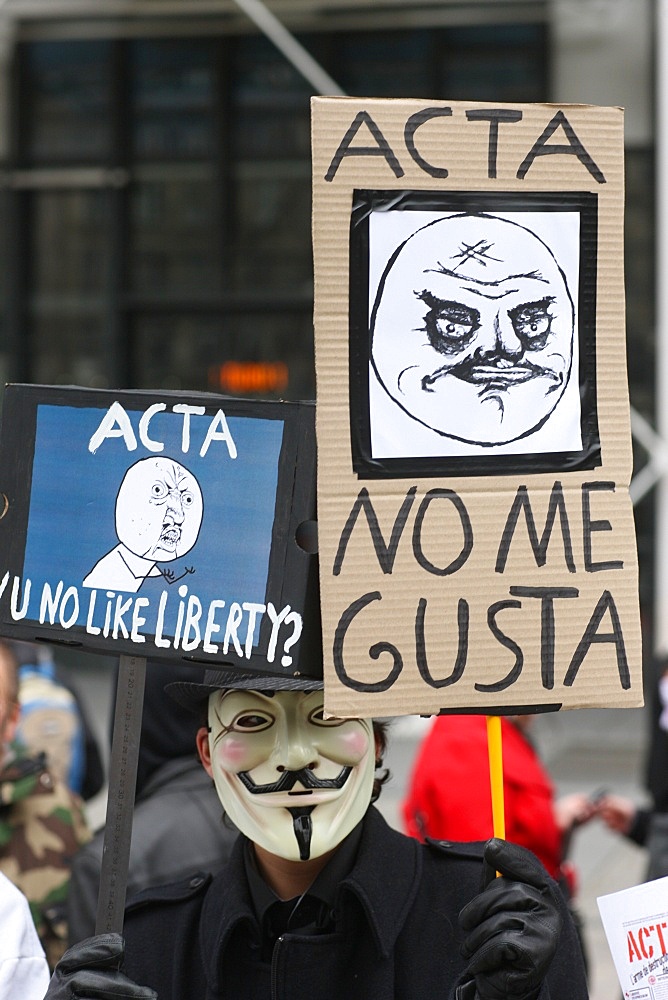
(160, 525)
(476, 537)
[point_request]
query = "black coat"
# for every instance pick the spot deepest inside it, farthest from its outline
(177, 827)
(397, 934)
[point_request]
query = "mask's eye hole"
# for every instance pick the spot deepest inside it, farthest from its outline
(317, 718)
(187, 499)
(251, 722)
(158, 491)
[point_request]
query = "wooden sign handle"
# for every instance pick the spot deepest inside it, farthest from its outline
(121, 797)
(494, 749)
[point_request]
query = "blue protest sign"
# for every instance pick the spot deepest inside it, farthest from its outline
(163, 526)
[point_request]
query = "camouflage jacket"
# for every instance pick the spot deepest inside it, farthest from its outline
(42, 825)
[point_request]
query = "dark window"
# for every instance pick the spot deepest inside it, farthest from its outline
(173, 351)
(387, 63)
(66, 98)
(503, 63)
(188, 245)
(67, 301)
(174, 236)
(172, 85)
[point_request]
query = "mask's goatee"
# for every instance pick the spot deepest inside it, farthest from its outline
(303, 828)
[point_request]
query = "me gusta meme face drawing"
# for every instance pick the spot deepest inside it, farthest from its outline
(159, 509)
(472, 329)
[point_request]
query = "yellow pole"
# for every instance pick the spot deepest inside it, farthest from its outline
(496, 774)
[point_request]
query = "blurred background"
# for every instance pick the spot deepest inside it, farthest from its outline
(155, 175)
(155, 233)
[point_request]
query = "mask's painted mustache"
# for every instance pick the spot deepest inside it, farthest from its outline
(289, 779)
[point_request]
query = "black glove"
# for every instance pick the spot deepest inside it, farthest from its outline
(89, 970)
(512, 927)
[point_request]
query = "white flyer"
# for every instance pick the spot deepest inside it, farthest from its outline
(635, 921)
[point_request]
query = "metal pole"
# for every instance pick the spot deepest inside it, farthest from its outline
(303, 62)
(657, 457)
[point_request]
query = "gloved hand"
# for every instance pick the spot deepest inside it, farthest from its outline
(512, 927)
(90, 970)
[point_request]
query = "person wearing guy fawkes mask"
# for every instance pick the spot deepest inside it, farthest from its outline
(320, 898)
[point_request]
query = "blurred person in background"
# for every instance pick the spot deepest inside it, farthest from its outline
(42, 823)
(178, 825)
(449, 796)
(647, 825)
(622, 815)
(54, 721)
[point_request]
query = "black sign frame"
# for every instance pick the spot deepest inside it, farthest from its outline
(291, 577)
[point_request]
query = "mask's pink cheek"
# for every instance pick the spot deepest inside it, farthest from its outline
(232, 754)
(353, 744)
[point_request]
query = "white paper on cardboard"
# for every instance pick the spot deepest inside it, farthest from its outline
(635, 921)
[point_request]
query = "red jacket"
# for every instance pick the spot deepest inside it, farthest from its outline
(449, 796)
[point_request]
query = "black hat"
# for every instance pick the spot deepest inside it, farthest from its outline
(192, 695)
